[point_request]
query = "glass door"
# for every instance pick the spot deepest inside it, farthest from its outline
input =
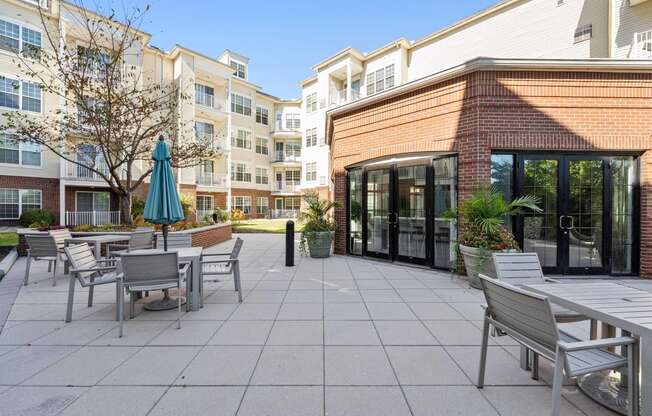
(411, 210)
(380, 217)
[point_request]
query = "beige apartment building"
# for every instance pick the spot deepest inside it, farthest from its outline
(272, 150)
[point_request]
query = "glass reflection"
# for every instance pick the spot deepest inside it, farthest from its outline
(378, 211)
(445, 198)
(623, 180)
(411, 211)
(355, 211)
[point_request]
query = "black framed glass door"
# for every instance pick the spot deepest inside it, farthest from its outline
(379, 209)
(571, 234)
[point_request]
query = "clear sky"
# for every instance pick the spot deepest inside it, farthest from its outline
(284, 39)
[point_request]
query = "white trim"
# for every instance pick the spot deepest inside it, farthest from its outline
(20, 94)
(20, 201)
(267, 170)
(256, 114)
(20, 156)
(20, 25)
(234, 131)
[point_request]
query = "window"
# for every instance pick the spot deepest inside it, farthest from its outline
(15, 94)
(204, 133)
(239, 69)
(241, 138)
(262, 147)
(204, 206)
(311, 137)
(311, 103)
(261, 176)
(311, 171)
(380, 80)
(644, 40)
(204, 173)
(13, 202)
(293, 203)
(243, 203)
(583, 33)
(240, 104)
(262, 205)
(14, 152)
(292, 177)
(92, 201)
(31, 42)
(11, 40)
(92, 63)
(240, 172)
(293, 121)
(262, 115)
(204, 95)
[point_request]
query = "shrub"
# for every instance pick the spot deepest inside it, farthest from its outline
(137, 207)
(186, 206)
(237, 215)
(222, 215)
(40, 216)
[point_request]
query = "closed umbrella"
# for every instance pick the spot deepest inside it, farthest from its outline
(162, 205)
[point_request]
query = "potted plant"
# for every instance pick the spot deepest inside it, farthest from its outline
(319, 227)
(482, 230)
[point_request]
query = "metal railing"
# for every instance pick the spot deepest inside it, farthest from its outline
(288, 187)
(283, 213)
(281, 126)
(92, 218)
(337, 97)
(287, 156)
(75, 171)
(212, 140)
(207, 179)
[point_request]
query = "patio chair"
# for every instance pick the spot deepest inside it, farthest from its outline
(212, 265)
(529, 319)
(145, 272)
(175, 240)
(41, 247)
(60, 236)
(139, 239)
(89, 272)
(525, 268)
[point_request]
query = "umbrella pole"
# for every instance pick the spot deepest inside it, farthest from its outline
(166, 228)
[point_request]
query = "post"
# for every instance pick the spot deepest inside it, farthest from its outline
(289, 243)
(165, 237)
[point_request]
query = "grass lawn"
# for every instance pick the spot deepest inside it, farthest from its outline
(8, 239)
(263, 226)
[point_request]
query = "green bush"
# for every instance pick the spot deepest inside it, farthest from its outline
(137, 207)
(222, 215)
(40, 216)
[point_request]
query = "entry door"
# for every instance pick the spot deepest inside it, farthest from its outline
(569, 235)
(380, 217)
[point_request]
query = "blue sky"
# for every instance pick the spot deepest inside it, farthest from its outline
(284, 39)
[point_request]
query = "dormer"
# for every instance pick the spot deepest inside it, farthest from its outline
(239, 63)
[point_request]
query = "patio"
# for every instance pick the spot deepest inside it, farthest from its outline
(341, 336)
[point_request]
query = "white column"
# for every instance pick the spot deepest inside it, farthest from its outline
(228, 146)
(62, 202)
(348, 82)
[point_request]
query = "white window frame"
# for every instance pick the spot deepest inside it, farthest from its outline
(264, 175)
(245, 105)
(246, 171)
(259, 115)
(22, 148)
(246, 139)
(238, 67)
(259, 205)
(93, 192)
(311, 172)
(311, 137)
(292, 121)
(20, 92)
(263, 145)
(644, 39)
(20, 39)
(311, 103)
(583, 33)
(379, 80)
(242, 206)
(22, 192)
(208, 197)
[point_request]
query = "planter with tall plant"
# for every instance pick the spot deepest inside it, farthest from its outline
(319, 227)
(482, 230)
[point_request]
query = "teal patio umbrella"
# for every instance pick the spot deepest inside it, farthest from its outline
(162, 206)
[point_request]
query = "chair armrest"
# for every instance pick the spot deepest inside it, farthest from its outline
(93, 269)
(183, 269)
(215, 254)
(595, 344)
(225, 261)
(551, 280)
(113, 261)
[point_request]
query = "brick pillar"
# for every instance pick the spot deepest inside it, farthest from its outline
(340, 212)
(474, 164)
(646, 215)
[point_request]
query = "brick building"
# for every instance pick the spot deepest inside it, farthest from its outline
(575, 133)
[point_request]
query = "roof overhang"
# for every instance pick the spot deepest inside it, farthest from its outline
(493, 64)
(636, 2)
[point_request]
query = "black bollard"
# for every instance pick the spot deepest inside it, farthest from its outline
(289, 243)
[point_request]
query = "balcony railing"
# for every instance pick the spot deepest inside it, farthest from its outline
(92, 218)
(283, 213)
(217, 143)
(338, 97)
(75, 171)
(281, 126)
(201, 214)
(286, 187)
(207, 179)
(286, 156)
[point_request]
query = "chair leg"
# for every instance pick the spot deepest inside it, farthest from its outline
(179, 308)
(28, 264)
(71, 297)
(49, 266)
(132, 303)
(633, 388)
(91, 291)
(118, 294)
(535, 366)
(121, 305)
(557, 382)
(483, 353)
(593, 329)
(525, 358)
(236, 278)
(54, 274)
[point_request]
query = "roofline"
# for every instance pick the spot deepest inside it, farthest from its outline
(493, 64)
(308, 80)
(498, 7)
(146, 35)
(176, 49)
(338, 55)
(400, 42)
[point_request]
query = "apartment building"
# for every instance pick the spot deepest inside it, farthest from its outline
(257, 136)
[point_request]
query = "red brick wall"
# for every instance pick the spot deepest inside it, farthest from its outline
(211, 236)
(512, 110)
(49, 192)
(253, 193)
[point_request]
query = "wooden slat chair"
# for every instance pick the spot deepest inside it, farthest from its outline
(175, 240)
(524, 268)
(528, 318)
(145, 272)
(41, 247)
(139, 239)
(213, 265)
(60, 236)
(89, 272)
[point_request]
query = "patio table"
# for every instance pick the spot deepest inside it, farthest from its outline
(186, 254)
(618, 305)
(96, 241)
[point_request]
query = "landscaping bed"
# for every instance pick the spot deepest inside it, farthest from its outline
(276, 226)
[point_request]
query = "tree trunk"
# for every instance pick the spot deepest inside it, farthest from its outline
(125, 209)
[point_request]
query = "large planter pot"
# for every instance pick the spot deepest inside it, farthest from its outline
(476, 261)
(319, 243)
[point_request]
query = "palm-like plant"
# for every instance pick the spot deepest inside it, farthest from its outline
(316, 218)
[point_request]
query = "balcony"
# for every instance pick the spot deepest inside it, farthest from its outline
(212, 180)
(218, 143)
(641, 46)
(76, 172)
(74, 218)
(209, 106)
(338, 97)
(283, 187)
(290, 158)
(283, 213)
(285, 130)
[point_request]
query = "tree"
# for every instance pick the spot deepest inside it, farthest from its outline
(111, 110)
